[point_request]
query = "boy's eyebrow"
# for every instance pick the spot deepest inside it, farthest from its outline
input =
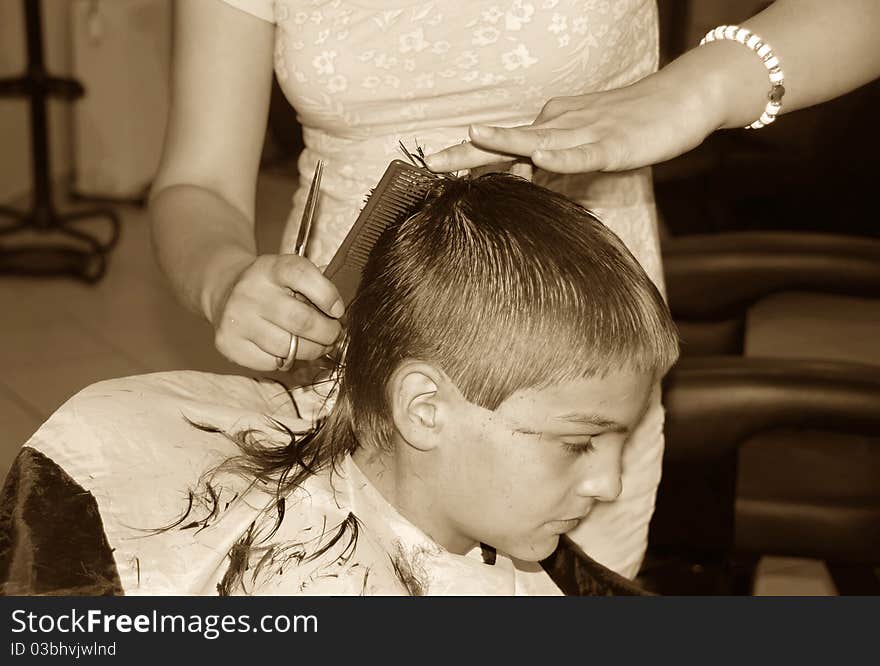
(594, 420)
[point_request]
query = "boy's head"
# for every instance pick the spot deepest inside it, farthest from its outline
(501, 346)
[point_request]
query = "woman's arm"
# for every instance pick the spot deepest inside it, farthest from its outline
(202, 204)
(825, 49)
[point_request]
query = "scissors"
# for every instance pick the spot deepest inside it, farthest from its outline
(285, 363)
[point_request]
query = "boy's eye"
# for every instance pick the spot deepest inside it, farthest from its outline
(580, 447)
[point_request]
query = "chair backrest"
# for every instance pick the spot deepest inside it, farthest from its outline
(715, 405)
(712, 280)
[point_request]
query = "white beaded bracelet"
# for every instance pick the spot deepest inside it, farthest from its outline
(750, 40)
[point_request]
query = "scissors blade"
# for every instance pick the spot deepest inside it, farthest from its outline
(305, 225)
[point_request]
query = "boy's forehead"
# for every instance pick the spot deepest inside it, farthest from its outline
(615, 400)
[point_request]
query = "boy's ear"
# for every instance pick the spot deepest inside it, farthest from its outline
(417, 403)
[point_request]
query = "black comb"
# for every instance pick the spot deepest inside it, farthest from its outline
(396, 196)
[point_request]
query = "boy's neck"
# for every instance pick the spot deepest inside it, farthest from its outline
(399, 480)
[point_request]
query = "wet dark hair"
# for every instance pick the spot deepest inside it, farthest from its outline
(501, 284)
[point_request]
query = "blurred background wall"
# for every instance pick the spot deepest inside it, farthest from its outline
(107, 143)
(15, 153)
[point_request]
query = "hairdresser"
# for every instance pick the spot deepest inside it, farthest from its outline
(364, 75)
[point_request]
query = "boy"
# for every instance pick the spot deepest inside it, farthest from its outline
(501, 347)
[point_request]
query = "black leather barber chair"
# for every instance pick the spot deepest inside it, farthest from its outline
(774, 447)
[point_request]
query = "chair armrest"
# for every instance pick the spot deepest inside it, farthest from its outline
(715, 404)
(718, 276)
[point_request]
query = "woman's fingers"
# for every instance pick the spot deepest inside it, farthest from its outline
(556, 106)
(522, 169)
(251, 341)
(301, 307)
(275, 341)
(249, 355)
(581, 159)
(652, 120)
(467, 156)
(291, 313)
(463, 156)
(301, 276)
(525, 140)
(556, 149)
(492, 145)
(277, 297)
(257, 342)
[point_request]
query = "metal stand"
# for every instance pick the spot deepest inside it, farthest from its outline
(84, 255)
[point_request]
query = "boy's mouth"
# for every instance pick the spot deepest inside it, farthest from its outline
(568, 524)
(565, 525)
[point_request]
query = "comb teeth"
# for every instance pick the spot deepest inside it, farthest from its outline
(400, 189)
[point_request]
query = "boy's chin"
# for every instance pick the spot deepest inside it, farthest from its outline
(532, 551)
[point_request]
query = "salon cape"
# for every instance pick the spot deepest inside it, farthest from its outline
(84, 501)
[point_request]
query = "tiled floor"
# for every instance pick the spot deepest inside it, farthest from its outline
(57, 336)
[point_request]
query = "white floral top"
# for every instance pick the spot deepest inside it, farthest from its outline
(366, 74)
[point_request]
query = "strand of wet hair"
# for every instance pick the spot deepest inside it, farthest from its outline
(264, 461)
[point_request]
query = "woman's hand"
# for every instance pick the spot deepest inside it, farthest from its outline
(260, 312)
(652, 120)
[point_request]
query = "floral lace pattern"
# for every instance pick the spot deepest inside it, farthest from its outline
(363, 75)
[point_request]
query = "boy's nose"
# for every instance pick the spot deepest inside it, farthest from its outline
(605, 487)
(602, 480)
